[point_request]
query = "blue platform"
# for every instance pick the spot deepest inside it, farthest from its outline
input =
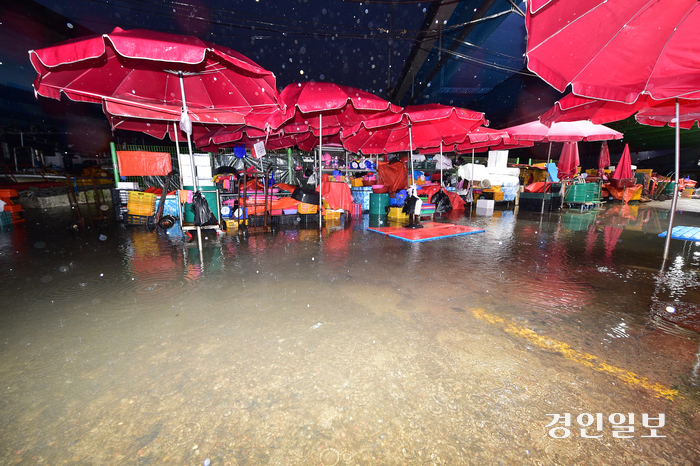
(684, 233)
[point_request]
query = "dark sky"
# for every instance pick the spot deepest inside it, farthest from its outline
(346, 42)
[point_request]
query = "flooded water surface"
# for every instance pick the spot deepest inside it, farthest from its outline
(541, 341)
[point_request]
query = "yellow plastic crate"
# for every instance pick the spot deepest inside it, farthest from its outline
(332, 214)
(140, 203)
(305, 208)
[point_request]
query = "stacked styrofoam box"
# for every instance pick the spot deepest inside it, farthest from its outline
(202, 165)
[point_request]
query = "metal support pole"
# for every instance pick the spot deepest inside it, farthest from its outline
(113, 149)
(410, 155)
(189, 148)
(546, 169)
(674, 202)
(320, 170)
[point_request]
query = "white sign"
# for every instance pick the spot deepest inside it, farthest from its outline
(258, 149)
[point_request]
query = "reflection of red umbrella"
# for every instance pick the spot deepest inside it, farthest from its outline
(603, 159)
(624, 49)
(623, 170)
(568, 161)
(611, 237)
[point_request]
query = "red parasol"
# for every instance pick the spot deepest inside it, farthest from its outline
(138, 74)
(647, 111)
(623, 170)
(340, 107)
(568, 161)
(562, 132)
(603, 159)
(419, 126)
(624, 49)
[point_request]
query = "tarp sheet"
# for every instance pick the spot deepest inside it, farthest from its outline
(337, 195)
(143, 163)
(393, 176)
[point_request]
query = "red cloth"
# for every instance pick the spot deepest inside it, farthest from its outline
(393, 176)
(337, 195)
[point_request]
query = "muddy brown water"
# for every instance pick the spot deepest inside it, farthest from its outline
(349, 347)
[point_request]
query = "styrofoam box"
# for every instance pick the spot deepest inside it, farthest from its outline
(204, 172)
(127, 185)
(202, 160)
(485, 204)
(484, 212)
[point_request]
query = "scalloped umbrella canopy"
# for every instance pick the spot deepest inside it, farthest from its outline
(623, 48)
(570, 131)
(646, 110)
(430, 124)
(340, 107)
(135, 74)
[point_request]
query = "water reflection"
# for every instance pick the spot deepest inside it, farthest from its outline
(343, 346)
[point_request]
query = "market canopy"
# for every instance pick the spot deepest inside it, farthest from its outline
(148, 75)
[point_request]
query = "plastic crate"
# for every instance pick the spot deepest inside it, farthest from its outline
(305, 208)
(5, 219)
(142, 204)
(130, 219)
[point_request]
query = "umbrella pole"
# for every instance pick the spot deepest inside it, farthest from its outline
(674, 202)
(410, 155)
(320, 170)
(441, 182)
(546, 169)
(189, 148)
(471, 182)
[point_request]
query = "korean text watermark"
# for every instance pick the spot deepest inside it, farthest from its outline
(592, 425)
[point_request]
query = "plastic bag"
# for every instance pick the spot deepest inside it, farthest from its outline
(202, 213)
(442, 202)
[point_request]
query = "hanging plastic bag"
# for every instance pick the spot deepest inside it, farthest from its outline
(202, 213)
(442, 202)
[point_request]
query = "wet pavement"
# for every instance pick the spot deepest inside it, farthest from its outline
(544, 340)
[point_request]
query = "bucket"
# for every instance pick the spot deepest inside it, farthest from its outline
(378, 202)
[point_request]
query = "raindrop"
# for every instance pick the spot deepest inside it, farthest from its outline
(70, 25)
(301, 71)
(39, 245)
(102, 237)
(95, 302)
(63, 269)
(46, 278)
(324, 11)
(302, 50)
